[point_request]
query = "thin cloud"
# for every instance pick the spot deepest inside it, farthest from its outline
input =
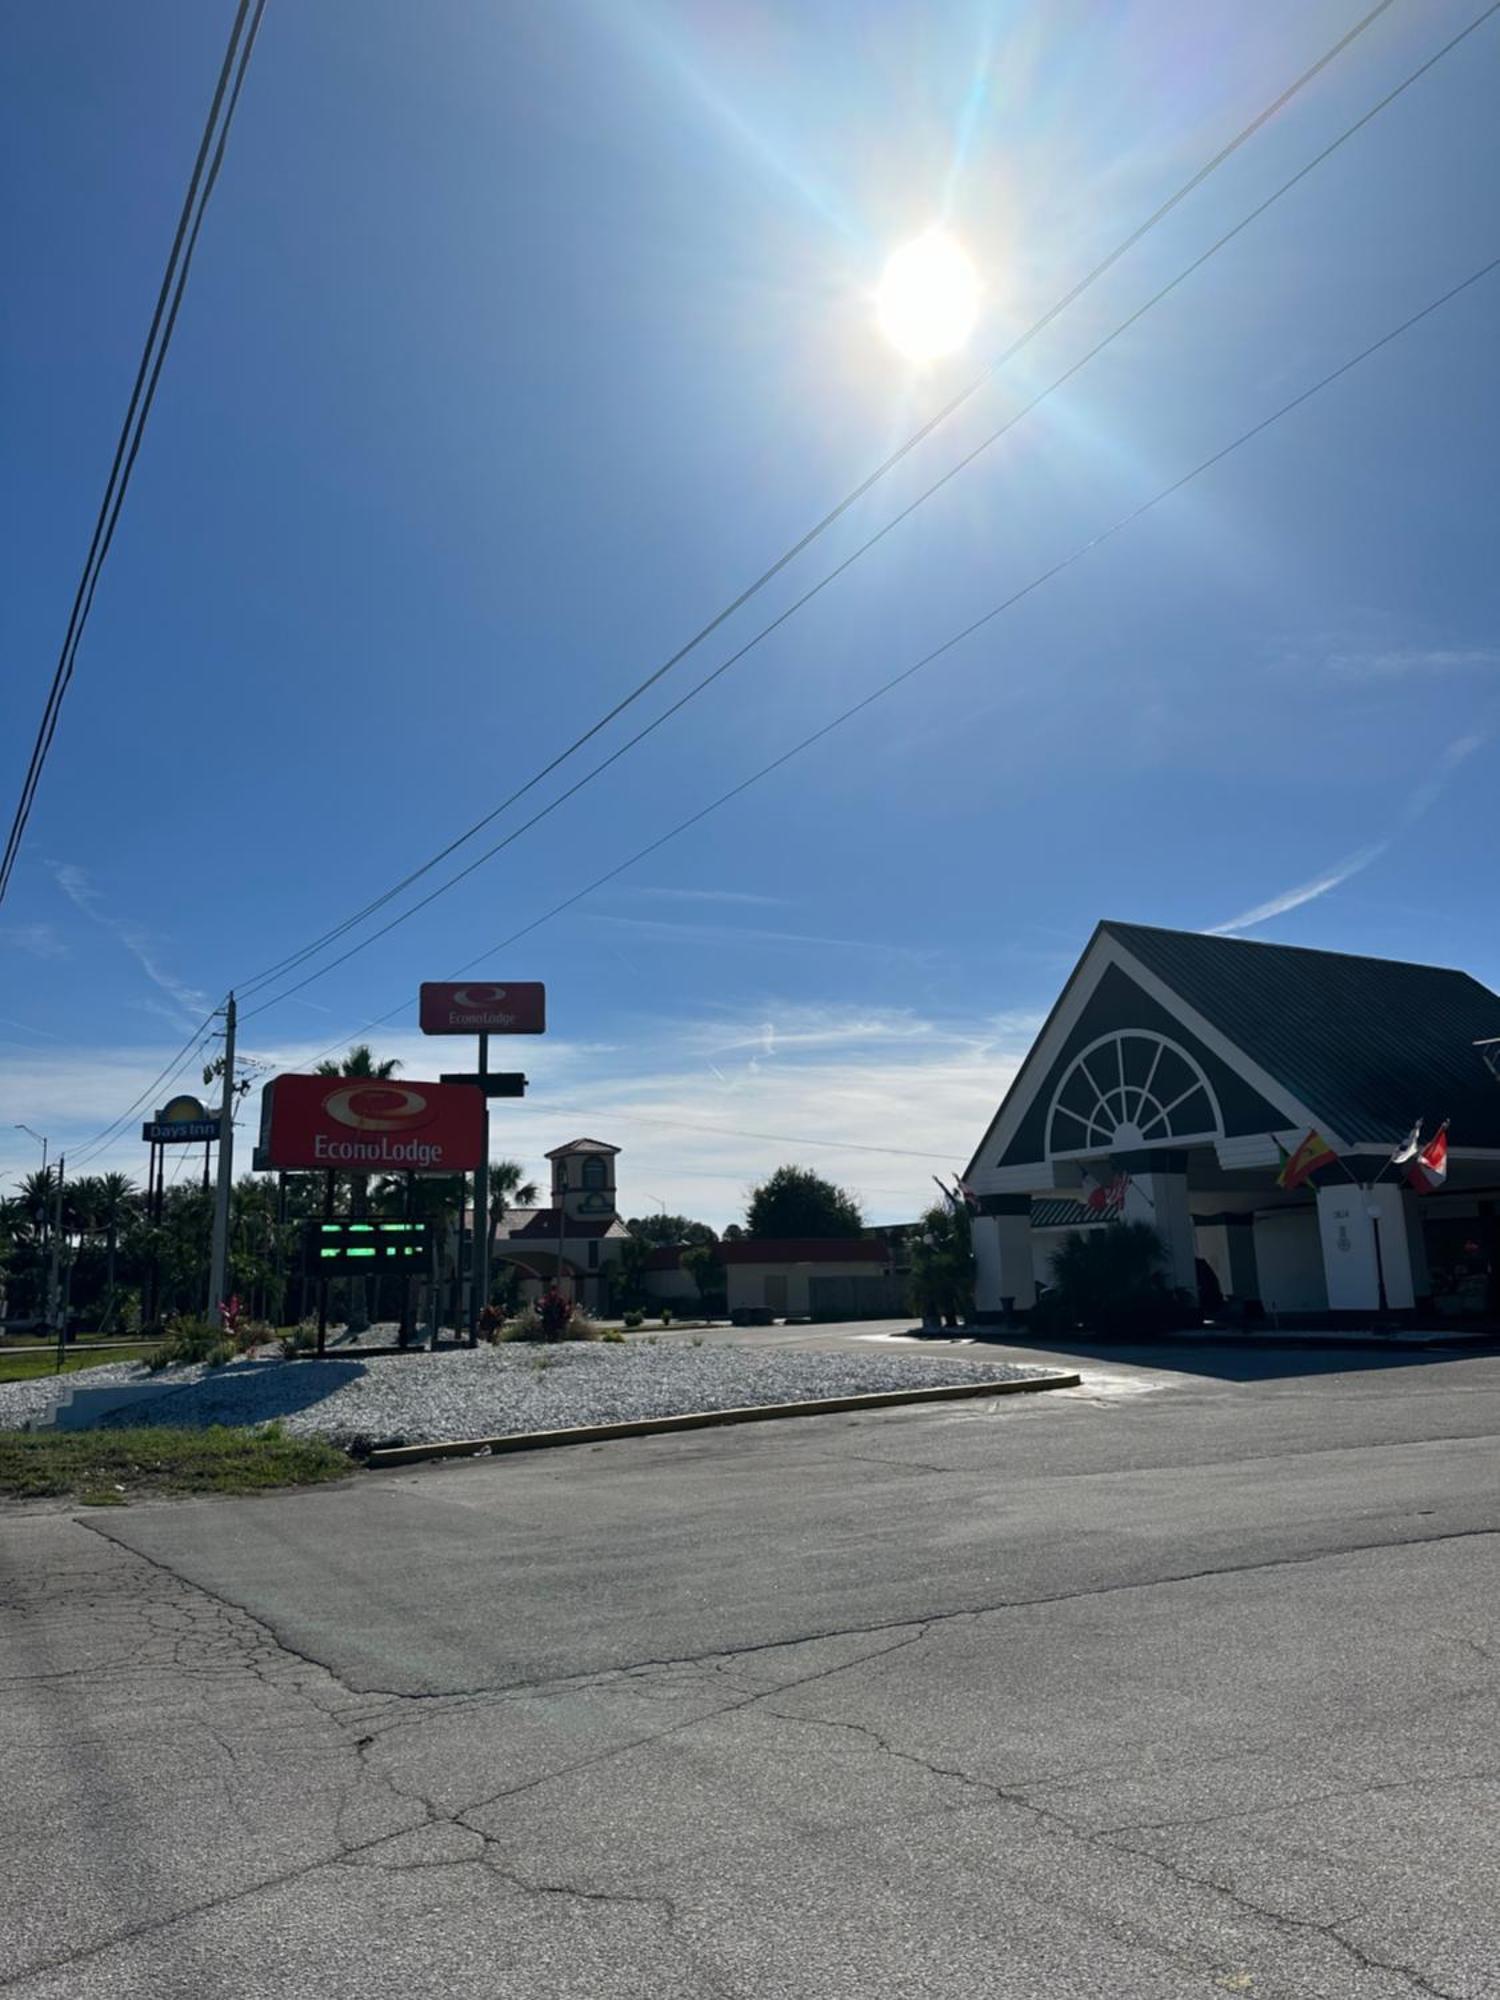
(38, 940)
(879, 1118)
(1417, 803)
(708, 896)
(664, 931)
(81, 892)
(21, 1028)
(1305, 892)
(1402, 662)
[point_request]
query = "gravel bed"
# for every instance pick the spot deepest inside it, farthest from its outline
(486, 1391)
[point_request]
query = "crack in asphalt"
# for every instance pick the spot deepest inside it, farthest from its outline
(1103, 1837)
(208, 1637)
(1299, 1804)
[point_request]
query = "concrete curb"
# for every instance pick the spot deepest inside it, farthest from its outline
(702, 1420)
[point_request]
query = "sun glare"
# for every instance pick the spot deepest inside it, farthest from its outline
(928, 299)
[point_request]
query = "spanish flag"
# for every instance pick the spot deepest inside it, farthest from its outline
(1313, 1153)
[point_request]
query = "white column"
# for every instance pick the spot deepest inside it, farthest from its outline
(1347, 1219)
(1244, 1277)
(1002, 1262)
(1162, 1200)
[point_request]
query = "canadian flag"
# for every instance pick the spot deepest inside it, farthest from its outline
(1429, 1168)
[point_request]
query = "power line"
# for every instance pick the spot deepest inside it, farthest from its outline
(730, 1131)
(142, 396)
(835, 514)
(966, 632)
(822, 584)
(101, 1141)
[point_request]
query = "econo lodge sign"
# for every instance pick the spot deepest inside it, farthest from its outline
(356, 1125)
(481, 1009)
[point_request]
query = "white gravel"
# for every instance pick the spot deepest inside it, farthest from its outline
(487, 1391)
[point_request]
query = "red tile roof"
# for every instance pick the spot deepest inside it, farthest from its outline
(806, 1250)
(544, 1225)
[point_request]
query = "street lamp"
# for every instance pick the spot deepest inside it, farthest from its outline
(50, 1242)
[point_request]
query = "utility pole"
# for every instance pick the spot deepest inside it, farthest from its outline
(218, 1263)
(53, 1290)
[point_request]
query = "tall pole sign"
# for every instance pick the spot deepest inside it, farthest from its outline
(483, 1008)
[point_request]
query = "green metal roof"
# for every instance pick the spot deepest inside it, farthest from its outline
(1368, 1044)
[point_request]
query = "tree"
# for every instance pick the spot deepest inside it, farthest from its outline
(797, 1202)
(942, 1264)
(360, 1062)
(114, 1210)
(629, 1271)
(507, 1191)
(664, 1232)
(702, 1263)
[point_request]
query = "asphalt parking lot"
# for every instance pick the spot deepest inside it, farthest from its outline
(1181, 1682)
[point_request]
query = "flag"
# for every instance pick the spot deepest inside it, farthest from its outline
(1313, 1153)
(1408, 1148)
(1430, 1167)
(1107, 1197)
(967, 1194)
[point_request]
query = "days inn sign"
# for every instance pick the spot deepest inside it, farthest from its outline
(185, 1121)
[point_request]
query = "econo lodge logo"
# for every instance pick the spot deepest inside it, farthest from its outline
(378, 1108)
(390, 1114)
(478, 996)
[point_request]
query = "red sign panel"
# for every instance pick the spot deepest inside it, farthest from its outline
(480, 1009)
(356, 1125)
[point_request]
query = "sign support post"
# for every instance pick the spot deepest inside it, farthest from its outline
(218, 1266)
(482, 1010)
(322, 1281)
(479, 1295)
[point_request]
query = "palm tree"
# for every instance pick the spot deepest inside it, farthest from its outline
(38, 1197)
(116, 1207)
(20, 1242)
(360, 1062)
(507, 1191)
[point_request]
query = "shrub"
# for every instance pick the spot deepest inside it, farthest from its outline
(527, 1325)
(613, 1335)
(1110, 1280)
(635, 1317)
(188, 1341)
(299, 1339)
(666, 1315)
(253, 1333)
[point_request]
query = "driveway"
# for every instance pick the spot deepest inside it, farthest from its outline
(1177, 1684)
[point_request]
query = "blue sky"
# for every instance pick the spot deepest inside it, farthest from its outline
(519, 340)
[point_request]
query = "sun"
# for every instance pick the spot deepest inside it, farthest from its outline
(928, 299)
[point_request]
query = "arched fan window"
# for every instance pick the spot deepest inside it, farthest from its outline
(595, 1173)
(1127, 1090)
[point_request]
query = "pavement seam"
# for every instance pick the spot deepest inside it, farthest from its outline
(516, 1689)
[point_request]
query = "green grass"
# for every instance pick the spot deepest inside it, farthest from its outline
(27, 1367)
(104, 1468)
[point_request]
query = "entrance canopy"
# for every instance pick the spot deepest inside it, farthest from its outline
(1177, 1070)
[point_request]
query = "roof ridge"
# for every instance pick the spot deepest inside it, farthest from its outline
(1116, 925)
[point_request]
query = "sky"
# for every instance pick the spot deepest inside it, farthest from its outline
(521, 340)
